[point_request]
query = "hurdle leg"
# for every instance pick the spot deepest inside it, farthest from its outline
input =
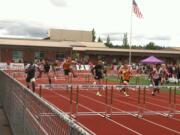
(71, 102)
(88, 79)
(174, 102)
(139, 102)
(40, 91)
(77, 100)
(106, 102)
(111, 101)
(144, 101)
(170, 102)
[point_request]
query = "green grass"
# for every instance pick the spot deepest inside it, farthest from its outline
(143, 80)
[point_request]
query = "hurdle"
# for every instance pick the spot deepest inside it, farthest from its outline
(175, 104)
(170, 111)
(108, 100)
(70, 88)
(140, 101)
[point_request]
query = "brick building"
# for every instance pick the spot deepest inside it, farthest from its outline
(62, 43)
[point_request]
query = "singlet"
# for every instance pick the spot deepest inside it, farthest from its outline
(67, 65)
(155, 74)
(31, 70)
(126, 74)
(46, 67)
(99, 69)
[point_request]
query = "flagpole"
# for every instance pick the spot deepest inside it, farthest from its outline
(130, 42)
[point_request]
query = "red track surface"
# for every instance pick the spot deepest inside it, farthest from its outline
(117, 124)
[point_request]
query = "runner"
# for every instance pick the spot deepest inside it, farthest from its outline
(30, 70)
(46, 71)
(155, 79)
(41, 67)
(67, 67)
(55, 65)
(125, 73)
(98, 72)
(163, 74)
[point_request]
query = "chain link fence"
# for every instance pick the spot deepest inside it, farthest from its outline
(28, 114)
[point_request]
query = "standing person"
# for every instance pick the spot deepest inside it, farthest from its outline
(41, 67)
(178, 73)
(30, 70)
(163, 74)
(47, 67)
(55, 65)
(67, 67)
(98, 73)
(8, 64)
(155, 78)
(125, 73)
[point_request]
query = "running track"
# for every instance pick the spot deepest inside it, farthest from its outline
(117, 124)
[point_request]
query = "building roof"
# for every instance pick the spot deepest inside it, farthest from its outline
(78, 46)
(37, 43)
(49, 43)
(124, 50)
(176, 48)
(93, 44)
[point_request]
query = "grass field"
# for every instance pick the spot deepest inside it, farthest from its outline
(141, 80)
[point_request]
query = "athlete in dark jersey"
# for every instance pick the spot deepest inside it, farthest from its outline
(47, 67)
(98, 72)
(30, 71)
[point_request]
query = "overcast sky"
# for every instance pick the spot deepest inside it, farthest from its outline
(32, 19)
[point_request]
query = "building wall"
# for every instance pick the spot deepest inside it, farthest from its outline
(50, 53)
(6, 53)
(111, 57)
(0, 55)
(178, 61)
(28, 55)
(70, 35)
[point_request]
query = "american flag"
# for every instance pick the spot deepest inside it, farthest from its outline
(137, 10)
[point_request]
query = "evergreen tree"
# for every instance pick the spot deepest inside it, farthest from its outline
(125, 41)
(152, 46)
(108, 42)
(99, 39)
(93, 35)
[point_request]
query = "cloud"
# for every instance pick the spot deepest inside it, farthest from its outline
(15, 28)
(59, 3)
(114, 36)
(159, 38)
(138, 36)
(117, 38)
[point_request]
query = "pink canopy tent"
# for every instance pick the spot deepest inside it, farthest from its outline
(151, 60)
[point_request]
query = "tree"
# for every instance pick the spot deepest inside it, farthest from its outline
(108, 42)
(93, 35)
(125, 41)
(99, 39)
(152, 46)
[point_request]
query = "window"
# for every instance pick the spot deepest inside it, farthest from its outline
(39, 55)
(59, 56)
(17, 56)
